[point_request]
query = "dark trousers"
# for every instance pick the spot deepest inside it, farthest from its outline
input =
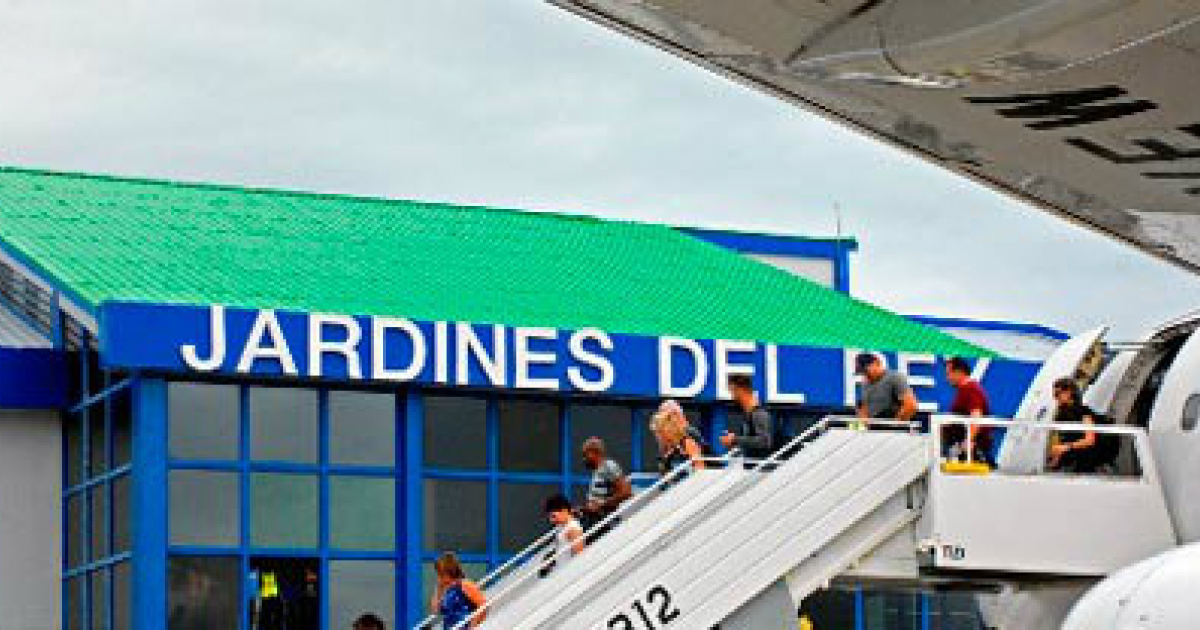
(589, 521)
(1082, 460)
(956, 434)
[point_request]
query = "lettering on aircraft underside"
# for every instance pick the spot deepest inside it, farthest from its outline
(1087, 106)
(1055, 110)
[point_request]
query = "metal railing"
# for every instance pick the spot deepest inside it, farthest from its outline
(641, 499)
(538, 547)
(1138, 435)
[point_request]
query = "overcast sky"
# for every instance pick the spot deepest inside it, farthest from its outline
(514, 103)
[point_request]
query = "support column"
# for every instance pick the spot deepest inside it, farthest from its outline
(149, 503)
(414, 604)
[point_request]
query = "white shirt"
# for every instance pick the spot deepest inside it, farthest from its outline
(562, 542)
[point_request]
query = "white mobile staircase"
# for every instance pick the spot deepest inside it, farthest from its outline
(739, 544)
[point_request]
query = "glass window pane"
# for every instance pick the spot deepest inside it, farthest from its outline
(1191, 412)
(73, 434)
(202, 592)
(362, 511)
(891, 611)
(121, 514)
(362, 428)
(298, 584)
(611, 423)
(522, 515)
(455, 432)
(529, 436)
(97, 444)
(283, 510)
(475, 572)
(203, 507)
(76, 602)
(120, 409)
(98, 496)
(203, 421)
(455, 516)
(122, 585)
(954, 611)
(357, 587)
(99, 599)
(76, 543)
(830, 608)
(283, 424)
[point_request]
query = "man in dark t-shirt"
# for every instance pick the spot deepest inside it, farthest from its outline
(969, 400)
(751, 430)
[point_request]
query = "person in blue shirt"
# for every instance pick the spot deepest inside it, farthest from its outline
(456, 598)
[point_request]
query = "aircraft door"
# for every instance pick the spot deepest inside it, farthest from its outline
(1100, 395)
(1175, 439)
(1024, 451)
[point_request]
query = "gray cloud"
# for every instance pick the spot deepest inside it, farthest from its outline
(514, 103)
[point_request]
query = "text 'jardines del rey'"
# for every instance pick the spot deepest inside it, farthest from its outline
(462, 353)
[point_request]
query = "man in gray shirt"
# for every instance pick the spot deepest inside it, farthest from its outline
(608, 488)
(885, 394)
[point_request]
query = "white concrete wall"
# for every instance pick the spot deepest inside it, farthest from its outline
(819, 270)
(30, 520)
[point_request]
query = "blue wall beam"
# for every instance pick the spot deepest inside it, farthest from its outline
(413, 509)
(492, 510)
(400, 587)
(244, 585)
(150, 503)
(1032, 330)
(324, 514)
(773, 244)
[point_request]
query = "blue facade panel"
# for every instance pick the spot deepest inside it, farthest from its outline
(264, 343)
(32, 378)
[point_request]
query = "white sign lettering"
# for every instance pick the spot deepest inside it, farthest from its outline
(380, 326)
(267, 325)
(318, 345)
(539, 358)
(526, 357)
(598, 361)
(216, 344)
(666, 381)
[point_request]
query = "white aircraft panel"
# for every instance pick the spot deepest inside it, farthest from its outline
(1085, 108)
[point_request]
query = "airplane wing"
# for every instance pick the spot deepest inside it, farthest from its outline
(1089, 109)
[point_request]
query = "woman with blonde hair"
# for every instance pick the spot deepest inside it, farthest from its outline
(677, 442)
(456, 597)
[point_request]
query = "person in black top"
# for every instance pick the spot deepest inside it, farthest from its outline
(676, 443)
(751, 429)
(1076, 451)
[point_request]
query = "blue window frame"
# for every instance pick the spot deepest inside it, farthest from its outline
(304, 495)
(467, 467)
(97, 499)
(391, 447)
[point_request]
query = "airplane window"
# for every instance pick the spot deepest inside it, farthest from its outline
(1191, 412)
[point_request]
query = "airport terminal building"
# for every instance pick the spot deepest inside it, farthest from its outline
(211, 392)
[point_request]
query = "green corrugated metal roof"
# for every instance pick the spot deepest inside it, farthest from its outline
(110, 238)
